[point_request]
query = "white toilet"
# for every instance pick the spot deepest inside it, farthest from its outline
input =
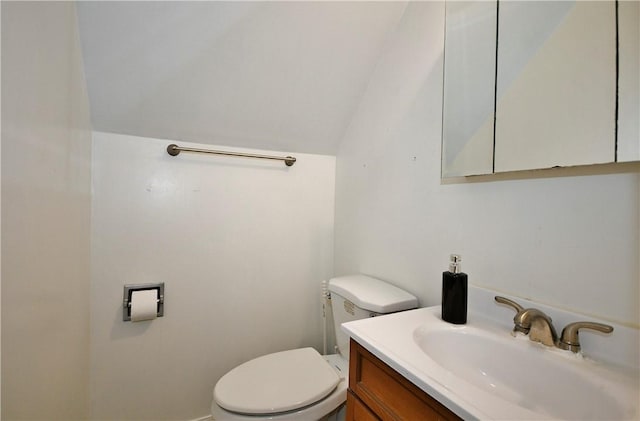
(301, 384)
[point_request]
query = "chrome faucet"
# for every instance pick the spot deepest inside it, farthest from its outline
(539, 327)
(533, 322)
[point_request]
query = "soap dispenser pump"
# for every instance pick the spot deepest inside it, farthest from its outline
(454, 293)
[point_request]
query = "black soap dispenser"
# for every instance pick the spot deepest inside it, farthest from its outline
(454, 293)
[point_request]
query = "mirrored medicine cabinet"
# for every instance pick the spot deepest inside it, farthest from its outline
(532, 85)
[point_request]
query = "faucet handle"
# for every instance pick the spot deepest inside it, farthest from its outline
(569, 338)
(503, 300)
(519, 310)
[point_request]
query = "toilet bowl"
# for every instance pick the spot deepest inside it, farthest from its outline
(301, 384)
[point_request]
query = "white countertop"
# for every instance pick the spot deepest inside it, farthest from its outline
(391, 338)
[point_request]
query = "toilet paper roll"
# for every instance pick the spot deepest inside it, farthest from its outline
(144, 305)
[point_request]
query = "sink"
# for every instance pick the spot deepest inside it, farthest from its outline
(482, 371)
(547, 381)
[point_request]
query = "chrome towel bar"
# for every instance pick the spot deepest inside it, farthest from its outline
(174, 150)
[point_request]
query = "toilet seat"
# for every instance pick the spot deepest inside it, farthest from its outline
(274, 383)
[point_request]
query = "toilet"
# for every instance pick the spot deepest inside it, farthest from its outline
(301, 384)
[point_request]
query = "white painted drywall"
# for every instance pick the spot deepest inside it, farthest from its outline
(569, 238)
(266, 75)
(242, 246)
(46, 157)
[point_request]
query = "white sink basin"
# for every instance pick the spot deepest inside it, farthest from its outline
(547, 381)
(480, 371)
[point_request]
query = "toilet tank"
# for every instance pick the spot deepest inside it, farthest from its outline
(357, 297)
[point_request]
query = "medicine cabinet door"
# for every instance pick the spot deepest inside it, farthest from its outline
(556, 84)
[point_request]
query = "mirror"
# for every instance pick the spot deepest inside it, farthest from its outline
(628, 81)
(469, 88)
(556, 84)
(561, 77)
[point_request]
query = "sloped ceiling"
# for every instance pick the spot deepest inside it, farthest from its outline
(268, 75)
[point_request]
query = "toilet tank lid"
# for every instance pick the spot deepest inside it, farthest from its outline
(372, 294)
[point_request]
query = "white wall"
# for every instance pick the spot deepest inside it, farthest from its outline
(271, 75)
(46, 154)
(569, 238)
(242, 246)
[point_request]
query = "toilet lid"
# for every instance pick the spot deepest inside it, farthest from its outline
(277, 382)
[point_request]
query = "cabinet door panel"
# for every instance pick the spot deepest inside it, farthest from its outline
(556, 84)
(358, 411)
(469, 88)
(385, 393)
(629, 81)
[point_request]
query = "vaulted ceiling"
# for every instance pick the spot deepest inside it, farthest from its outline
(269, 75)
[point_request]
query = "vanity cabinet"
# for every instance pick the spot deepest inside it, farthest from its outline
(378, 392)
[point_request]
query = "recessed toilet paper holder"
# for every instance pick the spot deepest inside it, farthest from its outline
(128, 291)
